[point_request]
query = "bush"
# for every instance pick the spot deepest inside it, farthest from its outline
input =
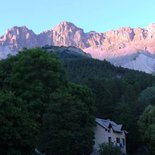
(109, 149)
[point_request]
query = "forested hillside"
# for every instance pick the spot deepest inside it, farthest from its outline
(120, 94)
(44, 96)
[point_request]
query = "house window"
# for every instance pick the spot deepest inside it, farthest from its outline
(117, 140)
(123, 140)
(109, 140)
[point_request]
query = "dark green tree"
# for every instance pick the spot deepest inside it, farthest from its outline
(68, 124)
(125, 116)
(147, 127)
(32, 75)
(146, 97)
(18, 131)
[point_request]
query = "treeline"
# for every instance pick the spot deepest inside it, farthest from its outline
(120, 94)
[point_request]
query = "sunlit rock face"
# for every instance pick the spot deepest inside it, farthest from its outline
(64, 34)
(18, 37)
(117, 46)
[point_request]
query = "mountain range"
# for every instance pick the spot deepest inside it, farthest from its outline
(132, 48)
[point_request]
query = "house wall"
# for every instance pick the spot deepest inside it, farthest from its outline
(101, 136)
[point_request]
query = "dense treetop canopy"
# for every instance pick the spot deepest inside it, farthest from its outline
(34, 95)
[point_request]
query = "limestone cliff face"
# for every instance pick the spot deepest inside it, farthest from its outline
(17, 38)
(64, 34)
(115, 42)
(109, 45)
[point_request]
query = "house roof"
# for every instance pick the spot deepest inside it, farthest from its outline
(108, 123)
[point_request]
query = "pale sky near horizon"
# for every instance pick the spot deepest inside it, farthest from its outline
(96, 15)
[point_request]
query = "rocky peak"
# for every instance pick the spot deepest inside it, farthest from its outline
(151, 27)
(65, 26)
(67, 34)
(124, 34)
(151, 31)
(18, 37)
(17, 31)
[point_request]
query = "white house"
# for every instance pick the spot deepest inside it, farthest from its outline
(107, 131)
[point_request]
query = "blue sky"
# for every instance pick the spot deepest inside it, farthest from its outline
(97, 15)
